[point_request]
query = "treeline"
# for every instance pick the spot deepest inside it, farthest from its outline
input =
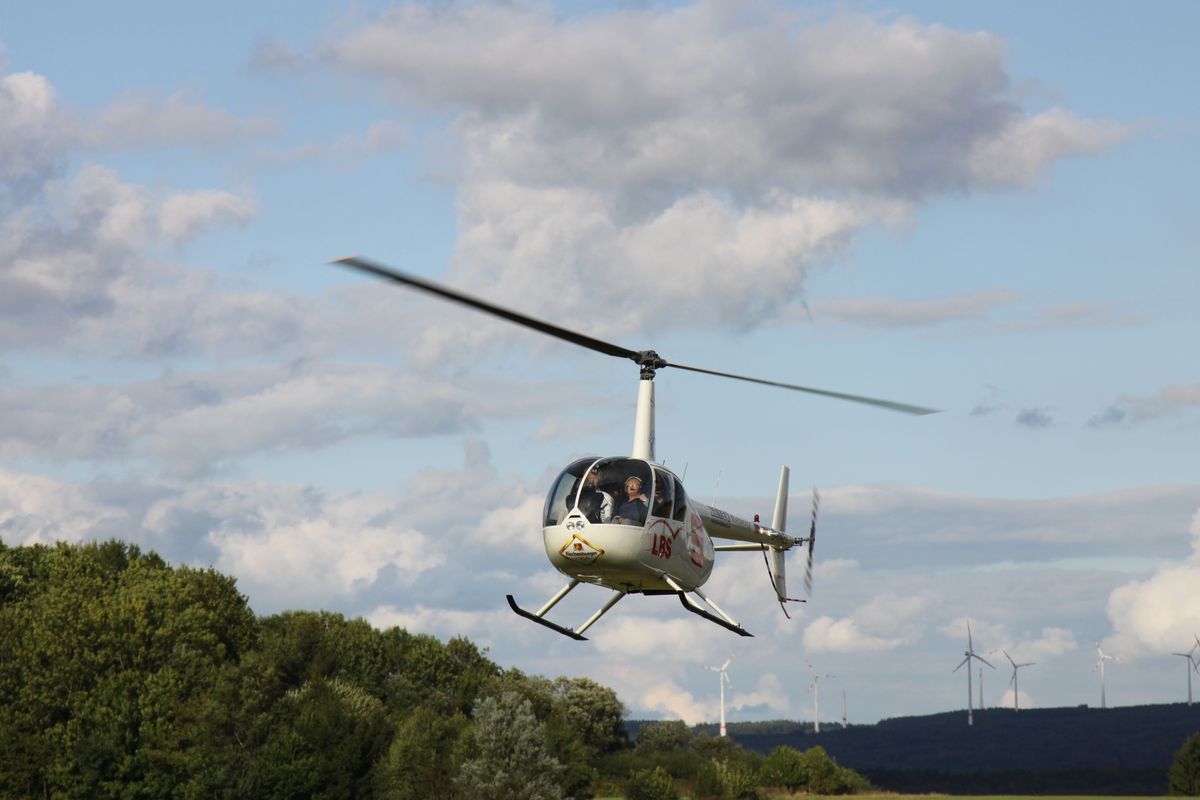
(1075, 750)
(121, 676)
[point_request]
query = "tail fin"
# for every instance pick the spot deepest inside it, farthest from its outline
(776, 565)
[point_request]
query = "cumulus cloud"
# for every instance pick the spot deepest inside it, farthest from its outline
(39, 510)
(728, 146)
(885, 623)
(988, 531)
(184, 214)
(192, 424)
(76, 270)
(34, 130)
(1160, 614)
(1165, 402)
(140, 121)
(1011, 699)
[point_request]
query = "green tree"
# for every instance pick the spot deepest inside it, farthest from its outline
(651, 784)
(659, 737)
(424, 756)
(784, 766)
(509, 759)
(1183, 778)
(108, 653)
(594, 712)
(825, 776)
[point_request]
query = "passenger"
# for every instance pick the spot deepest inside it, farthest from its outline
(595, 503)
(633, 510)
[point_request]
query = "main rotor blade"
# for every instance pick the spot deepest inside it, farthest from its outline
(512, 316)
(854, 398)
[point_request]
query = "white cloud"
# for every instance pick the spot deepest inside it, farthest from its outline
(1007, 700)
(139, 121)
(39, 510)
(1020, 152)
(1160, 614)
(34, 131)
(716, 151)
(671, 701)
(184, 214)
(1165, 402)
(884, 623)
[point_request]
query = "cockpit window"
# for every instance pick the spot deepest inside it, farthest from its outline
(664, 495)
(633, 485)
(680, 502)
(564, 490)
(609, 490)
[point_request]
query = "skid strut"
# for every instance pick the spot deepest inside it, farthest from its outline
(540, 615)
(721, 618)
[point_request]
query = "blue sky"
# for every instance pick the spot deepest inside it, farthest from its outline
(985, 208)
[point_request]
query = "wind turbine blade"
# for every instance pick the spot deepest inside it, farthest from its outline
(964, 661)
(984, 660)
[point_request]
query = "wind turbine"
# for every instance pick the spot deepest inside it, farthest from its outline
(724, 679)
(815, 688)
(968, 654)
(1192, 665)
(1016, 691)
(1100, 666)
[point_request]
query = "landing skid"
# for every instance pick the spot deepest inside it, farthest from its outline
(721, 618)
(539, 616)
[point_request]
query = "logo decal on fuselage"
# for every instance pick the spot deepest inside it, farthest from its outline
(579, 549)
(662, 535)
(695, 541)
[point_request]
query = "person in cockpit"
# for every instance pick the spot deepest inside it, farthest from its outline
(595, 503)
(633, 510)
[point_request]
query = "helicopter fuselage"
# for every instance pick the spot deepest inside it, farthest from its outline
(587, 537)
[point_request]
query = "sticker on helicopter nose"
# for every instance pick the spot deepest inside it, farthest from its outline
(579, 549)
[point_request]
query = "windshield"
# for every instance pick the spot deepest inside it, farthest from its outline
(608, 490)
(563, 491)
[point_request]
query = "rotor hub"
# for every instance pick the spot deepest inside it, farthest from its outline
(650, 362)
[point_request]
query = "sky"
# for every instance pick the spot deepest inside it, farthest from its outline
(987, 208)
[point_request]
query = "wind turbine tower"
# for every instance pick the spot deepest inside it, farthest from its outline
(1013, 682)
(1192, 665)
(968, 654)
(1102, 657)
(724, 679)
(815, 688)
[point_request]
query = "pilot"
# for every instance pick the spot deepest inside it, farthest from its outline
(595, 503)
(633, 510)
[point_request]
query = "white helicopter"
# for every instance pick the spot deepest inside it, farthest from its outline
(625, 522)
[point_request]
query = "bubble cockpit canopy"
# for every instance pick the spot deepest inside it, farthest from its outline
(616, 490)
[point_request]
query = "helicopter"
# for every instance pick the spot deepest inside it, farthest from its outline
(625, 523)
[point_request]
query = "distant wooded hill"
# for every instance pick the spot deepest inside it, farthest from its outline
(1078, 750)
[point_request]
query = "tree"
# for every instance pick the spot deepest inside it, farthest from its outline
(651, 784)
(785, 766)
(664, 736)
(107, 656)
(509, 759)
(594, 712)
(1183, 779)
(425, 754)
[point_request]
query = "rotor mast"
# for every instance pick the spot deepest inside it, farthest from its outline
(643, 424)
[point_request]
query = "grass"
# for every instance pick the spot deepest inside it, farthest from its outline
(801, 796)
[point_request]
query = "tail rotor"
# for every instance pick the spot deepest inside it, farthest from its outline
(812, 539)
